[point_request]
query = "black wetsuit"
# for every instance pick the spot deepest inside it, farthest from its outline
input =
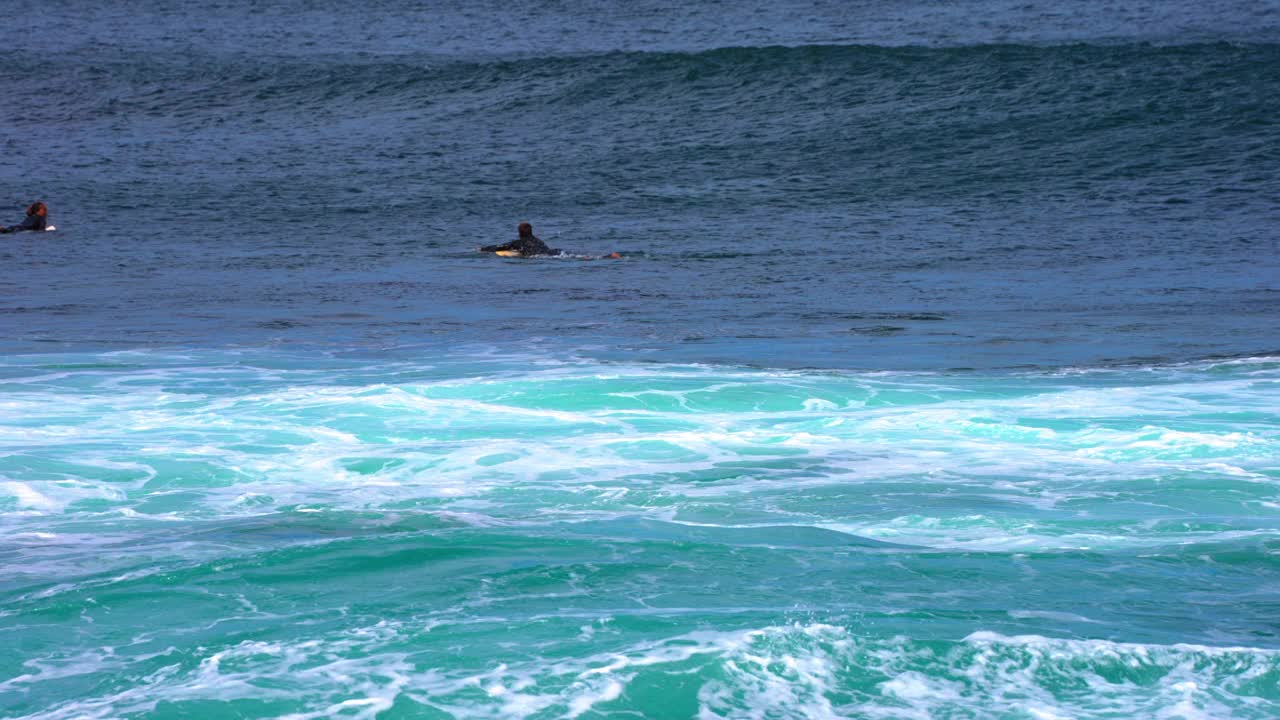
(33, 222)
(526, 245)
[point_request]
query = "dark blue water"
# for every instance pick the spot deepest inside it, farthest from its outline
(829, 185)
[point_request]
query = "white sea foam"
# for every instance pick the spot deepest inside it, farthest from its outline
(800, 670)
(868, 455)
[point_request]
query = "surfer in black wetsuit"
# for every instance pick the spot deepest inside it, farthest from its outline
(527, 245)
(37, 219)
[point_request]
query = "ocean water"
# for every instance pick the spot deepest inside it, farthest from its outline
(938, 377)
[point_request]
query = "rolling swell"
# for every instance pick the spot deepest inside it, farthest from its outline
(772, 124)
(766, 198)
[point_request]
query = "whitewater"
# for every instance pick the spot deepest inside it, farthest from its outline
(280, 536)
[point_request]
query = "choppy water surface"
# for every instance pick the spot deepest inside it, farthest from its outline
(227, 534)
(938, 379)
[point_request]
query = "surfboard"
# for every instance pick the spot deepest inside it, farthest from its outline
(507, 253)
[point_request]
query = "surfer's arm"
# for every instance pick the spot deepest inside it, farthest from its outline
(28, 224)
(496, 248)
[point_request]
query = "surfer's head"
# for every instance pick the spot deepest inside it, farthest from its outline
(38, 209)
(525, 229)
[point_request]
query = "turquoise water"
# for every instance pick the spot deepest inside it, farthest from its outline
(265, 534)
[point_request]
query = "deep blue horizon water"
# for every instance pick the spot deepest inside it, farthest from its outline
(938, 379)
